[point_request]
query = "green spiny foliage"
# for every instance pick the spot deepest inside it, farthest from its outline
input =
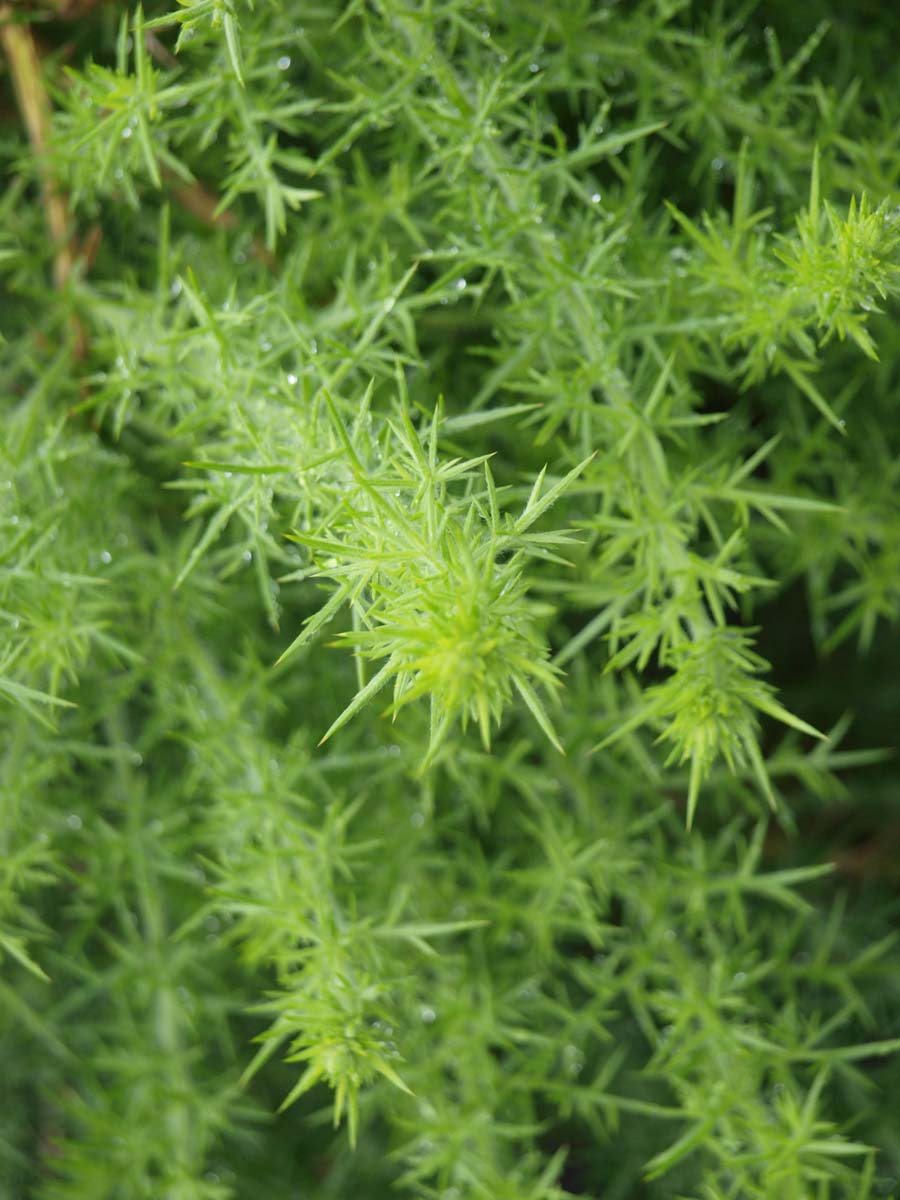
(448, 478)
(436, 586)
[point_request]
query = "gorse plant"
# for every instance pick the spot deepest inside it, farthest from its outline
(437, 586)
(827, 276)
(449, 585)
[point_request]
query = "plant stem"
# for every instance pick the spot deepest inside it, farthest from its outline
(28, 81)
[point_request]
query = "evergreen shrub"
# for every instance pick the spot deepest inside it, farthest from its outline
(449, 582)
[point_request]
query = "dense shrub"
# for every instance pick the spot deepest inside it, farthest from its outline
(448, 584)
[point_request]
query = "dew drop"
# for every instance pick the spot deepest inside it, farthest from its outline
(460, 285)
(284, 62)
(417, 820)
(127, 132)
(595, 198)
(534, 68)
(74, 821)
(292, 378)
(573, 1060)
(428, 1015)
(105, 556)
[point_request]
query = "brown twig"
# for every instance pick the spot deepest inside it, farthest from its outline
(203, 204)
(21, 53)
(161, 53)
(194, 197)
(874, 858)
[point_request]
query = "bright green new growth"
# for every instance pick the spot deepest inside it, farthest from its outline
(436, 584)
(709, 706)
(448, 478)
(827, 274)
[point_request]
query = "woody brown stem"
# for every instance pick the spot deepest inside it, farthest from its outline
(31, 94)
(203, 204)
